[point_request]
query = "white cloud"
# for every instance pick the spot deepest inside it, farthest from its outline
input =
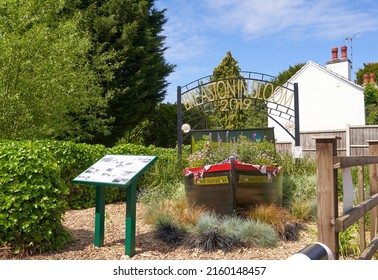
(298, 19)
(185, 32)
(194, 26)
(197, 30)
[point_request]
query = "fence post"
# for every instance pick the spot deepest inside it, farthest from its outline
(327, 203)
(373, 178)
(347, 140)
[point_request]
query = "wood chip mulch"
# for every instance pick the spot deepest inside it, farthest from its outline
(80, 223)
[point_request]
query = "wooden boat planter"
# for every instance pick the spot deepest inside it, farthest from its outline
(228, 186)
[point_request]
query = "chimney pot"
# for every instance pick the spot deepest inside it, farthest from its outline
(334, 53)
(344, 52)
(366, 78)
(372, 80)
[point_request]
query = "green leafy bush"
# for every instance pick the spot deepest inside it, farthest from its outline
(163, 178)
(293, 166)
(74, 158)
(296, 187)
(32, 198)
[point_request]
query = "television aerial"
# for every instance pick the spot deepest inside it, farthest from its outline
(350, 40)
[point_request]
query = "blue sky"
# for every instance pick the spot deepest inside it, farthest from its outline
(264, 36)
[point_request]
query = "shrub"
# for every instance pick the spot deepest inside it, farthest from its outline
(292, 166)
(32, 196)
(298, 187)
(163, 178)
(74, 158)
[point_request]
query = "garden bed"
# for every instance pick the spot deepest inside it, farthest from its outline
(80, 223)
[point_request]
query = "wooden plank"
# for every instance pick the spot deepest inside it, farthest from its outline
(352, 216)
(369, 252)
(361, 199)
(350, 161)
(373, 178)
(326, 138)
(359, 146)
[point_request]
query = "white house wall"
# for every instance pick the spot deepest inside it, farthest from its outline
(326, 102)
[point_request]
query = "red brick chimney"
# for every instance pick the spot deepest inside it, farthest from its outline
(341, 66)
(334, 53)
(372, 80)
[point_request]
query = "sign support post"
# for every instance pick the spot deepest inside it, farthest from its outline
(130, 219)
(99, 216)
(120, 171)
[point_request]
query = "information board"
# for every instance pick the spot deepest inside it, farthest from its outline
(119, 171)
(115, 170)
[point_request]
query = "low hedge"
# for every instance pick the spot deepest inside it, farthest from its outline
(74, 158)
(32, 198)
(36, 187)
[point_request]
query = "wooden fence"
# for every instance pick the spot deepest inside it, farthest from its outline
(353, 140)
(330, 224)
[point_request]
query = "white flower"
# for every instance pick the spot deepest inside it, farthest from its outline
(185, 128)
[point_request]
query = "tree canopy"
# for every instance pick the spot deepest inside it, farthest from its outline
(256, 115)
(370, 91)
(79, 70)
(44, 78)
(228, 69)
(285, 75)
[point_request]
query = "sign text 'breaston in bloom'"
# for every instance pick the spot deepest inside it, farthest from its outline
(236, 94)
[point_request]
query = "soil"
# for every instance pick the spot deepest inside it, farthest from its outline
(80, 223)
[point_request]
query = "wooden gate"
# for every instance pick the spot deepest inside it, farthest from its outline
(330, 224)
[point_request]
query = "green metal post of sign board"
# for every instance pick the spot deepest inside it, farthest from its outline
(119, 171)
(99, 216)
(130, 219)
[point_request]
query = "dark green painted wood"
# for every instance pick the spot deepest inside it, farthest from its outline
(99, 216)
(130, 219)
(131, 186)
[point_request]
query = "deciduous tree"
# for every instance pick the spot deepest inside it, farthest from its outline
(370, 91)
(46, 86)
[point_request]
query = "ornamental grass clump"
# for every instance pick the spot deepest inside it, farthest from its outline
(212, 239)
(258, 234)
(251, 151)
(211, 234)
(206, 222)
(177, 209)
(285, 224)
(235, 230)
(168, 230)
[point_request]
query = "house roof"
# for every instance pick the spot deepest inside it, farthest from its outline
(331, 73)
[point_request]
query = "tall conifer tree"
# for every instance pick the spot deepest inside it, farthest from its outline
(128, 57)
(228, 69)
